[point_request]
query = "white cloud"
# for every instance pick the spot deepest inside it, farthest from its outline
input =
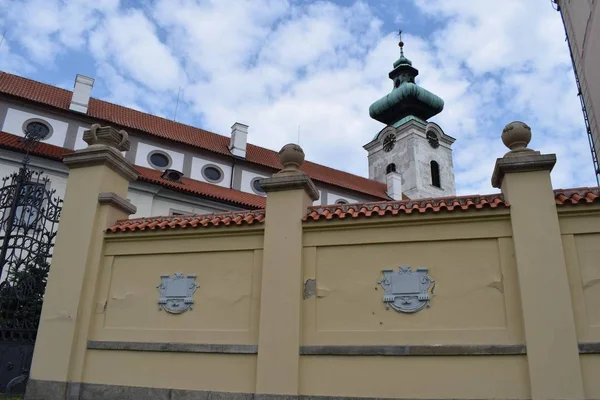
(280, 64)
(130, 40)
(47, 28)
(517, 64)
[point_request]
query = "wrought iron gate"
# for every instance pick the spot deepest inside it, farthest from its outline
(29, 214)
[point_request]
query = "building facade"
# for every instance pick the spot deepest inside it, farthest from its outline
(581, 19)
(184, 170)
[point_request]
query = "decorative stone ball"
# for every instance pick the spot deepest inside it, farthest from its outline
(516, 135)
(291, 156)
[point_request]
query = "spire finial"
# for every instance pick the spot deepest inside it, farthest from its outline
(401, 43)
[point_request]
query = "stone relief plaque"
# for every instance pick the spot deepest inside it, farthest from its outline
(406, 291)
(176, 292)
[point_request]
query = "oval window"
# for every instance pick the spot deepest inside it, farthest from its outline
(37, 130)
(159, 160)
(212, 174)
(256, 186)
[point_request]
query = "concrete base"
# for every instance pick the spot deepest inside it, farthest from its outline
(50, 390)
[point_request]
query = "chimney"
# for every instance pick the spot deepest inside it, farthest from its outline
(394, 185)
(81, 93)
(239, 135)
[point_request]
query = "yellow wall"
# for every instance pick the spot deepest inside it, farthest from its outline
(470, 255)
(225, 310)
(214, 372)
(476, 297)
(475, 377)
(581, 241)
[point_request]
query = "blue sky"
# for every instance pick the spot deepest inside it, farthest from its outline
(277, 65)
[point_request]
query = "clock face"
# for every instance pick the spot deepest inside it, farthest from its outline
(389, 142)
(433, 140)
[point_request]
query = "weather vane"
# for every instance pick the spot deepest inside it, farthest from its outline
(401, 43)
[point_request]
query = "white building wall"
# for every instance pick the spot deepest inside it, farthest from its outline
(143, 149)
(142, 200)
(149, 203)
(16, 118)
(199, 163)
(79, 143)
(333, 197)
(247, 177)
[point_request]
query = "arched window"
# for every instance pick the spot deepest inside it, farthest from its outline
(435, 174)
(390, 168)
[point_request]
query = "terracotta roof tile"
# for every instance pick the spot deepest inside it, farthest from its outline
(584, 195)
(128, 118)
(187, 185)
(203, 188)
(189, 221)
(421, 206)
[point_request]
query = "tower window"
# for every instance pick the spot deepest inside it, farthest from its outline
(435, 174)
(390, 168)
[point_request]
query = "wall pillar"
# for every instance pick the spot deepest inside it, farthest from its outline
(552, 353)
(95, 198)
(289, 193)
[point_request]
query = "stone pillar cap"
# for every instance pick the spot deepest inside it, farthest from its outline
(106, 136)
(516, 136)
(290, 177)
(105, 145)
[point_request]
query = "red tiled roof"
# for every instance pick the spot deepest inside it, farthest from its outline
(584, 195)
(187, 185)
(421, 206)
(358, 210)
(189, 221)
(203, 188)
(128, 118)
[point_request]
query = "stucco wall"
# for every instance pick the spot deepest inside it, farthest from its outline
(476, 302)
(475, 298)
(581, 237)
(470, 343)
(225, 310)
(416, 377)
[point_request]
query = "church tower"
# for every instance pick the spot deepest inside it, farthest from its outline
(410, 149)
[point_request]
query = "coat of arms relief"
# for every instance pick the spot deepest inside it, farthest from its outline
(176, 292)
(407, 291)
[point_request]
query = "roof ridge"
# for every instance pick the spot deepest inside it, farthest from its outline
(419, 200)
(194, 215)
(395, 207)
(34, 81)
(228, 218)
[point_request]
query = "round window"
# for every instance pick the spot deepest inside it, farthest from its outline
(37, 130)
(212, 173)
(341, 201)
(159, 160)
(256, 185)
